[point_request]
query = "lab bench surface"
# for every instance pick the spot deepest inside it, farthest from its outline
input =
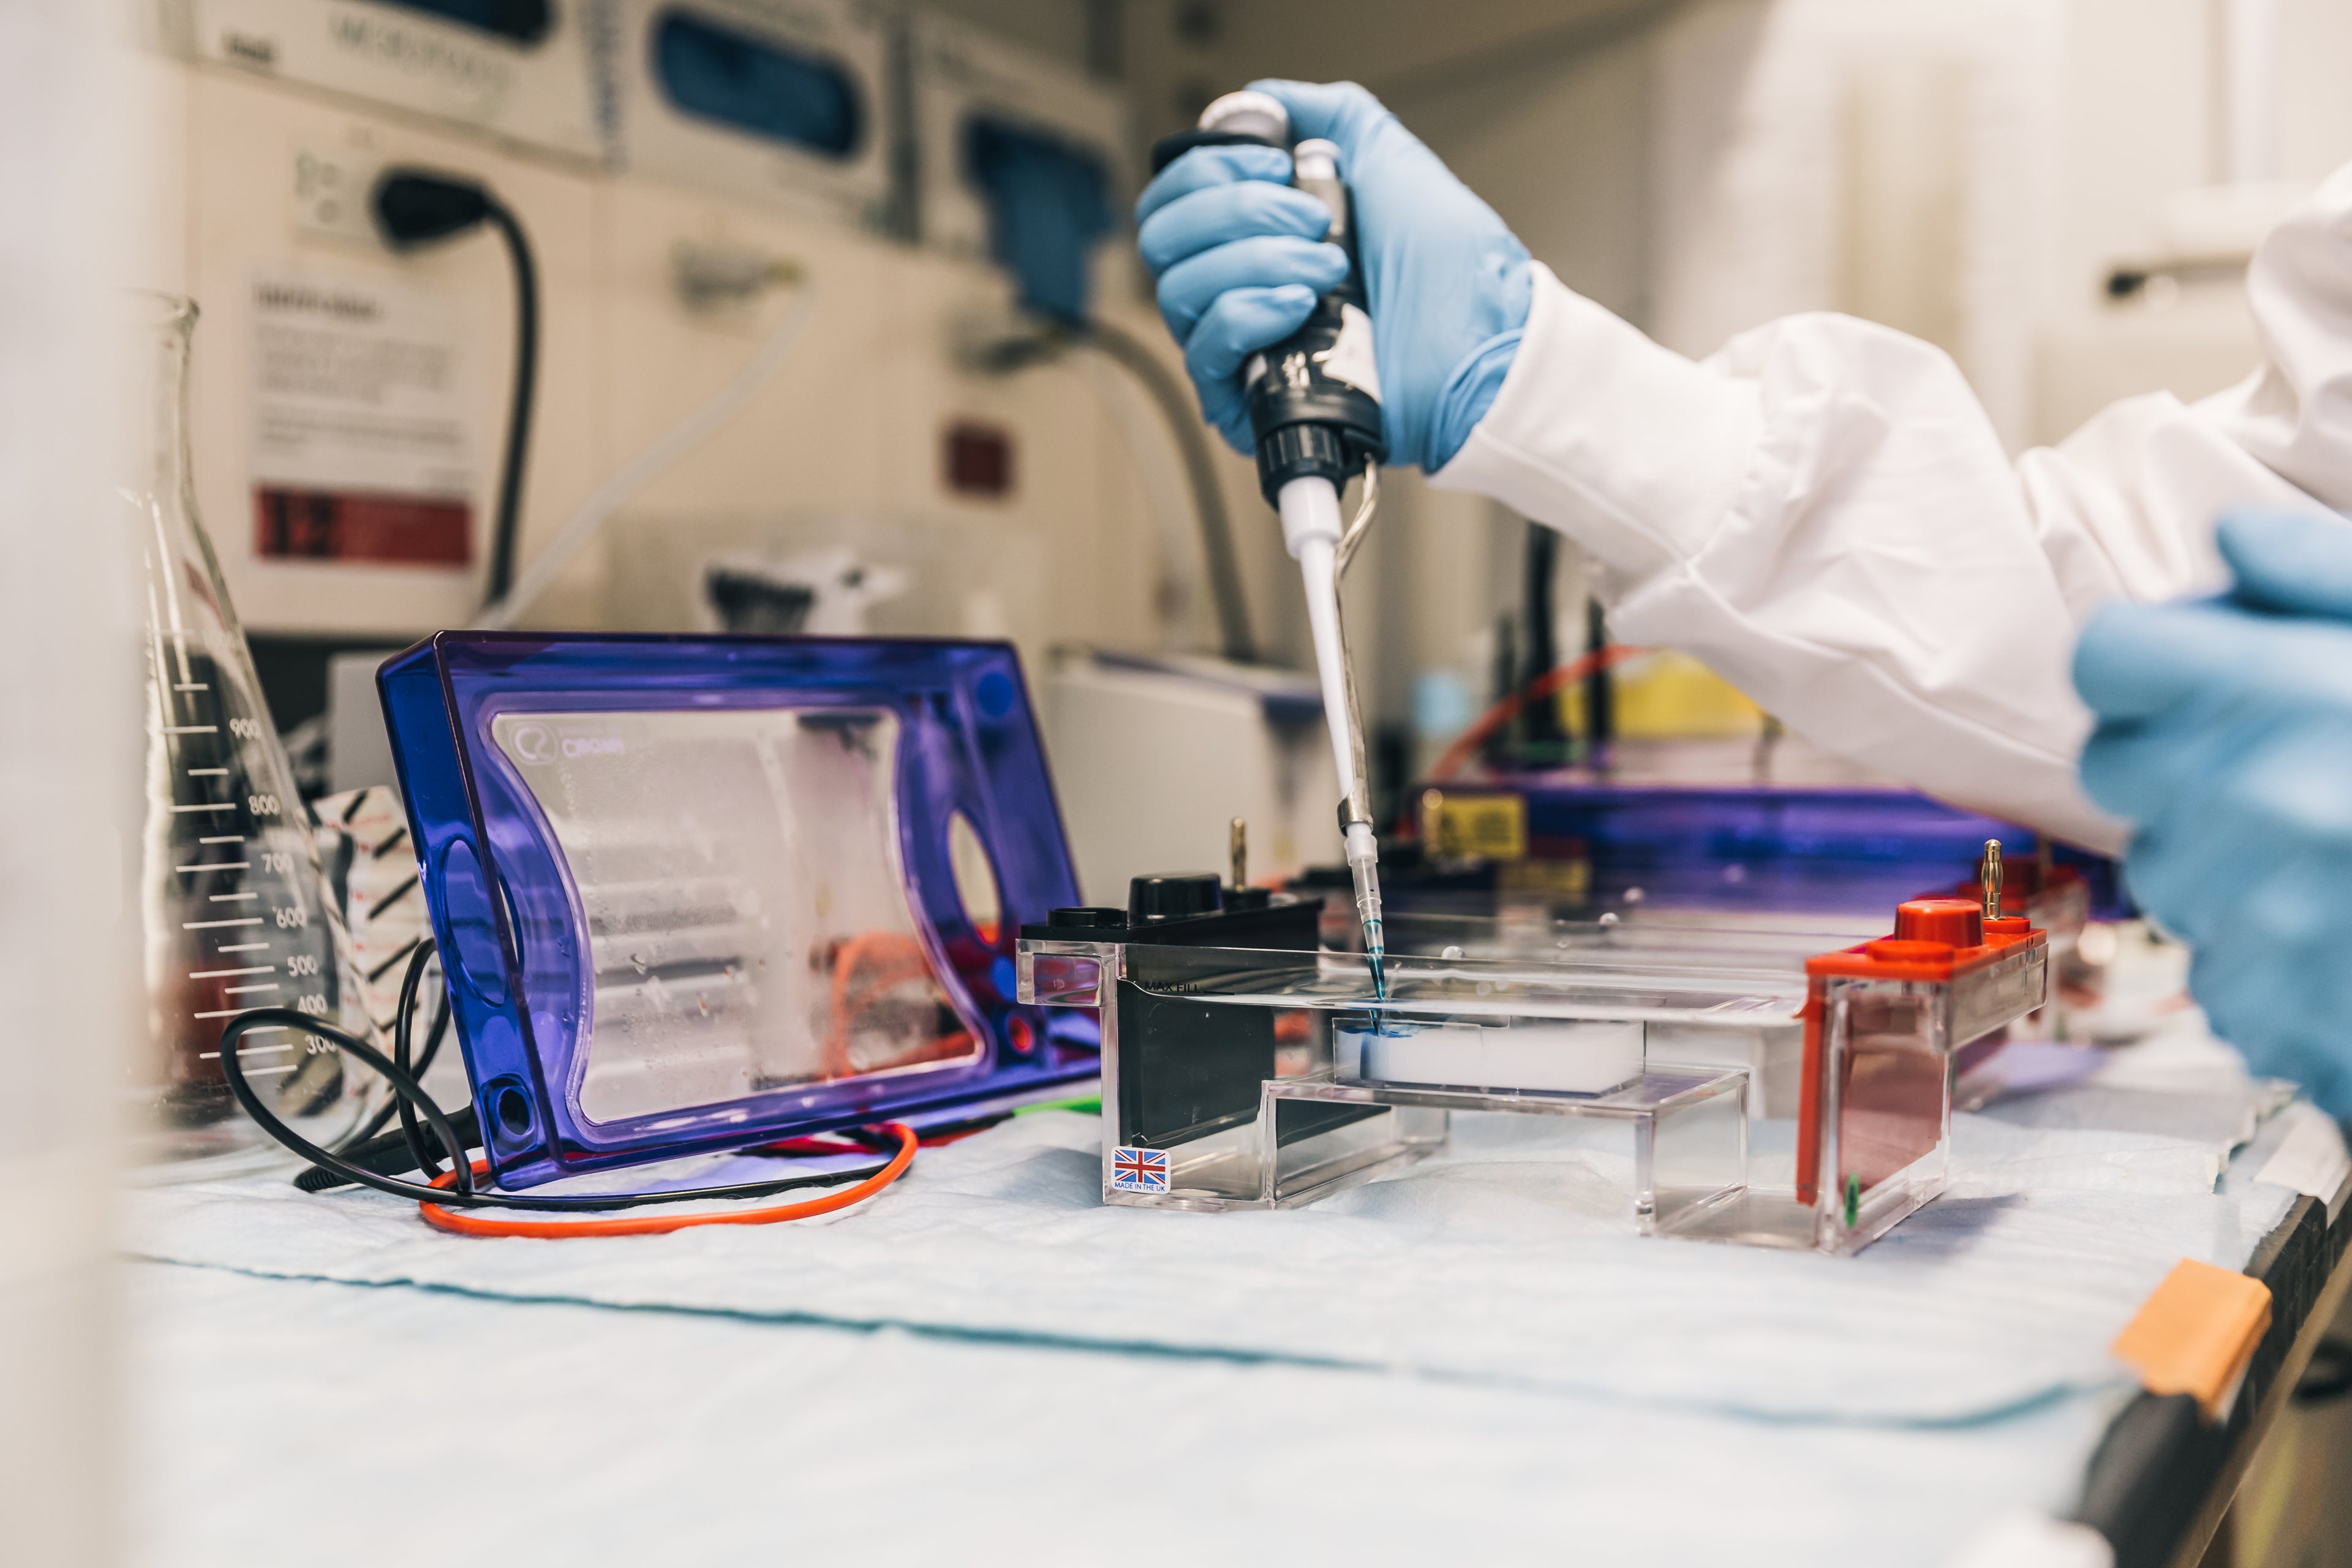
(1469, 1360)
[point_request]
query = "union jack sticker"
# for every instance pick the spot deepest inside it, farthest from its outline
(1138, 1170)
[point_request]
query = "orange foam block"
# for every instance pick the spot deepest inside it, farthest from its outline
(2196, 1332)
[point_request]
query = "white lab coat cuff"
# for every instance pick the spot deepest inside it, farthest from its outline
(1628, 448)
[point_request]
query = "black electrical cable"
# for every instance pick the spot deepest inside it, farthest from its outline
(402, 1021)
(354, 1144)
(1599, 688)
(387, 1154)
(416, 207)
(526, 379)
(416, 1101)
(383, 1154)
(1543, 739)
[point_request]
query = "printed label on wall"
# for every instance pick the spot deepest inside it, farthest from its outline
(359, 447)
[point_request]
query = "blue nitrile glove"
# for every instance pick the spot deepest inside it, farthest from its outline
(1240, 262)
(2225, 737)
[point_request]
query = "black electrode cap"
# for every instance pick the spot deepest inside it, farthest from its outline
(1079, 923)
(1248, 898)
(1085, 917)
(1174, 896)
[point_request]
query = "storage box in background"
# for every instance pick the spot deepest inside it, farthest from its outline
(960, 77)
(784, 102)
(520, 70)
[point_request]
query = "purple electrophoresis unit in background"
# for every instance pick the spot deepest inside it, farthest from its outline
(1787, 849)
(695, 893)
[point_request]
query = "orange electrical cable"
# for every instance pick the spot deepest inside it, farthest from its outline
(466, 1223)
(1466, 744)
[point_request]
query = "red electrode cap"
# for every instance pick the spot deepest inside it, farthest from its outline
(1906, 950)
(1956, 922)
(1934, 938)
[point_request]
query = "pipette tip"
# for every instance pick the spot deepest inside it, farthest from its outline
(1364, 865)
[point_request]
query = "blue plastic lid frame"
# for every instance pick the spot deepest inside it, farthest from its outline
(695, 893)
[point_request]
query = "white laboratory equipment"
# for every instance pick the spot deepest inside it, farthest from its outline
(965, 85)
(1128, 735)
(860, 417)
(359, 505)
(520, 71)
(784, 105)
(826, 572)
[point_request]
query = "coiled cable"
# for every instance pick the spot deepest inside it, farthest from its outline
(454, 1187)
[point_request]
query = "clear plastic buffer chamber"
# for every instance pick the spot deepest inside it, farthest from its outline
(1791, 857)
(1245, 1068)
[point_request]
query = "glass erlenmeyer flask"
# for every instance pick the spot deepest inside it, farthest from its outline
(235, 909)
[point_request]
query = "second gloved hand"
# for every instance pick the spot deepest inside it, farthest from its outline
(2225, 737)
(1240, 261)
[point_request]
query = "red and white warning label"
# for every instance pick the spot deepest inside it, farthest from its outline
(360, 449)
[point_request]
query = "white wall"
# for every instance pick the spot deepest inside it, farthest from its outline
(2142, 118)
(2314, 109)
(1885, 158)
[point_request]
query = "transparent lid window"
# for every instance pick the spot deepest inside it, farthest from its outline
(739, 876)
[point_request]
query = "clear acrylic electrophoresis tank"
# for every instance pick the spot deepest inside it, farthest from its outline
(1255, 1078)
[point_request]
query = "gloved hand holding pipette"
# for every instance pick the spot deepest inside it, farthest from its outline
(1240, 264)
(1823, 513)
(1820, 511)
(1252, 232)
(2225, 736)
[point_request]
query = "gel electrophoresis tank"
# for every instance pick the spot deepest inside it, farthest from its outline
(1246, 1068)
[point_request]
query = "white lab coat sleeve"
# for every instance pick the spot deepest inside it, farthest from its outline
(1823, 514)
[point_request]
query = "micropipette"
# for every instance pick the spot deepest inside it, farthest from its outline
(1315, 409)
